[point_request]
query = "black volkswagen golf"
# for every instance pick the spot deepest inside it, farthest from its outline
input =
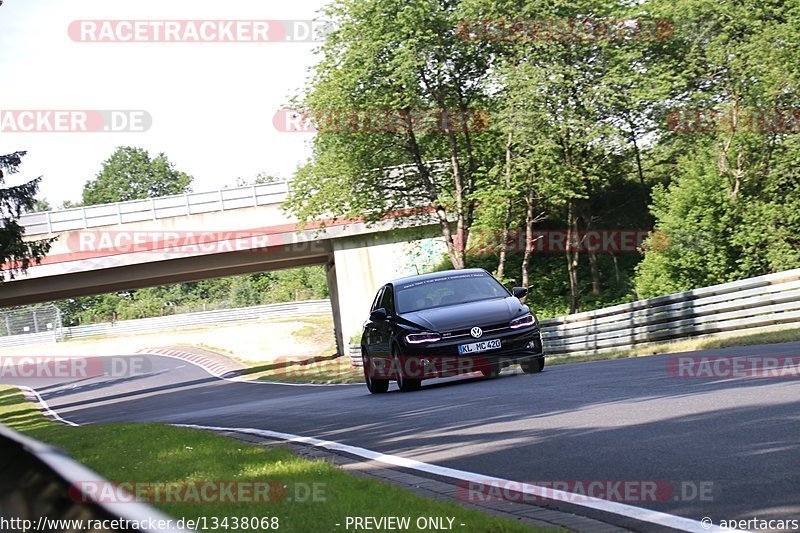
(444, 324)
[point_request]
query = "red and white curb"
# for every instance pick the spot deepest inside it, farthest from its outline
(213, 367)
(229, 372)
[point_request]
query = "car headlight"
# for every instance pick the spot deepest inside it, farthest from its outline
(523, 322)
(419, 338)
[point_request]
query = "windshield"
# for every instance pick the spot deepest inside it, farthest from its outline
(448, 290)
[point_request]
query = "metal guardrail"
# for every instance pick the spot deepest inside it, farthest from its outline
(27, 338)
(354, 352)
(153, 208)
(38, 485)
(144, 325)
(753, 304)
(203, 318)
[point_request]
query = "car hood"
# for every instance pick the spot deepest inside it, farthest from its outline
(466, 315)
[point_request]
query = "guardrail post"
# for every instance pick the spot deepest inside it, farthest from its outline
(58, 330)
(188, 205)
(49, 223)
(255, 197)
(83, 216)
(153, 208)
(119, 214)
(221, 201)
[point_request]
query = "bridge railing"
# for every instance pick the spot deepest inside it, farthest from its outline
(749, 305)
(191, 203)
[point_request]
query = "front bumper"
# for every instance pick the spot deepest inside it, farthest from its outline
(441, 358)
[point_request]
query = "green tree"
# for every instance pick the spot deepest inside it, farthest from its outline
(692, 245)
(131, 174)
(17, 254)
(260, 179)
(731, 211)
(571, 131)
(39, 205)
(404, 58)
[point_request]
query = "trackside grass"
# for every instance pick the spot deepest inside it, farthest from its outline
(312, 495)
(330, 369)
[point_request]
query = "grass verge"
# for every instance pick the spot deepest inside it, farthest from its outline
(321, 369)
(165, 454)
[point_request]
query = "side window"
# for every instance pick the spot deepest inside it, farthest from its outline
(377, 302)
(387, 302)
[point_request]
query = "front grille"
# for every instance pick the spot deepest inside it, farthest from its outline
(455, 334)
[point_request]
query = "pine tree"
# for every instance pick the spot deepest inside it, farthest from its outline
(16, 255)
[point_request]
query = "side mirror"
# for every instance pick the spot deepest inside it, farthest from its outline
(520, 292)
(378, 314)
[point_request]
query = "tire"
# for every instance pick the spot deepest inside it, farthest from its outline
(532, 366)
(375, 386)
(403, 383)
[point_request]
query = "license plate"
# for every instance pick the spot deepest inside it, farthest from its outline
(482, 346)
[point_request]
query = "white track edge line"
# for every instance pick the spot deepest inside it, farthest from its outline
(629, 511)
(620, 509)
(44, 405)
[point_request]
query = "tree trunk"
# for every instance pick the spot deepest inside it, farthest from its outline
(573, 255)
(616, 266)
(594, 269)
(501, 265)
(455, 246)
(529, 240)
(463, 212)
(724, 155)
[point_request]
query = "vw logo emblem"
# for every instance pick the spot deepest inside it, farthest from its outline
(476, 332)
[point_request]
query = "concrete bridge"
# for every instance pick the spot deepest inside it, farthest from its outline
(173, 239)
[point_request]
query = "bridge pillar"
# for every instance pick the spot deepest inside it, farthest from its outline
(365, 262)
(333, 291)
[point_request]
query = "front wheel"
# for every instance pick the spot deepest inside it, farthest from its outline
(532, 366)
(375, 386)
(404, 383)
